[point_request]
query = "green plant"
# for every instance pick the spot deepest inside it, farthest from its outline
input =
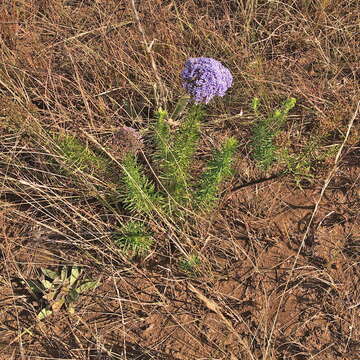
(265, 131)
(59, 289)
(298, 165)
(175, 154)
(301, 165)
(190, 264)
(162, 136)
(217, 170)
(174, 157)
(138, 192)
(133, 238)
(79, 157)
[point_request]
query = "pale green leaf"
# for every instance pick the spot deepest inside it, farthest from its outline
(50, 273)
(44, 313)
(63, 275)
(75, 273)
(47, 284)
(86, 286)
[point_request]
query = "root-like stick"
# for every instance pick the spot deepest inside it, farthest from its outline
(161, 97)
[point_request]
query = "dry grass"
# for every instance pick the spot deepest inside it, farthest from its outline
(279, 265)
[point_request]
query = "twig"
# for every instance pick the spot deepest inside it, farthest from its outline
(162, 89)
(84, 33)
(213, 306)
(236, 188)
(82, 90)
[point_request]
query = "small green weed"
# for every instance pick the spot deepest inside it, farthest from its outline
(218, 169)
(59, 289)
(175, 154)
(299, 164)
(265, 131)
(302, 165)
(133, 238)
(79, 157)
(190, 264)
(138, 193)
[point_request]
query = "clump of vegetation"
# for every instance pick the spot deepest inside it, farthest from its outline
(174, 156)
(58, 289)
(264, 149)
(217, 170)
(266, 153)
(138, 192)
(79, 157)
(173, 159)
(190, 264)
(133, 238)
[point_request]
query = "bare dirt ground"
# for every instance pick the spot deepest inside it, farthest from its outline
(280, 262)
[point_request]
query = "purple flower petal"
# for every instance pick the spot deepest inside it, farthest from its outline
(204, 78)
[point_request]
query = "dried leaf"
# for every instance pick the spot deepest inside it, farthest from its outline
(56, 305)
(210, 304)
(50, 295)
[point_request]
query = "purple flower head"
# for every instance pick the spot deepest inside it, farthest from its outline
(204, 78)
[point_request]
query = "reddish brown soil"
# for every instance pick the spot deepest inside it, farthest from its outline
(308, 308)
(263, 290)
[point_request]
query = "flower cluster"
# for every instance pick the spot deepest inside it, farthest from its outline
(204, 78)
(132, 132)
(128, 139)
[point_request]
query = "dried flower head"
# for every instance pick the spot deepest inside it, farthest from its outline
(132, 132)
(129, 139)
(204, 78)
